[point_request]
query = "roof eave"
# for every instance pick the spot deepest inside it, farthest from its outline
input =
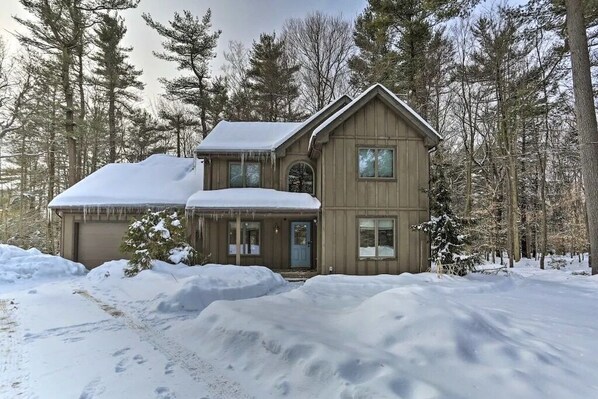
(432, 138)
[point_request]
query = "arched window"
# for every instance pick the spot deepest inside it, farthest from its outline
(301, 178)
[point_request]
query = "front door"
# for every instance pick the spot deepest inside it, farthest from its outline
(300, 244)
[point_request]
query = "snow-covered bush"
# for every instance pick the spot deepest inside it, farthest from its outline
(156, 236)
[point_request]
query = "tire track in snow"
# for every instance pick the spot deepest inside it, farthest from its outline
(201, 371)
(11, 385)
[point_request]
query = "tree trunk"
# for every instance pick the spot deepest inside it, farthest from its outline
(81, 118)
(112, 126)
(69, 123)
(585, 115)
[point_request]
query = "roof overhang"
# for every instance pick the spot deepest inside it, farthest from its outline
(313, 122)
(322, 133)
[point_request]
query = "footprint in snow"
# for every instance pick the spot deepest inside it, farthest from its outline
(164, 393)
(168, 369)
(121, 366)
(93, 388)
(139, 359)
(121, 351)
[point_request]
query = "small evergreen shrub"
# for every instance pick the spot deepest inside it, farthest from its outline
(156, 236)
(445, 229)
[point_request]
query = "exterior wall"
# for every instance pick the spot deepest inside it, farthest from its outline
(274, 247)
(216, 172)
(345, 197)
(295, 152)
(69, 229)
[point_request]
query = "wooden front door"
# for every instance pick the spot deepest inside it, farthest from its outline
(300, 244)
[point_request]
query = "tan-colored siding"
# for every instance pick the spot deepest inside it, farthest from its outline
(91, 238)
(274, 251)
(345, 198)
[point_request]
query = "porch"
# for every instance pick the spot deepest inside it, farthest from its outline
(263, 227)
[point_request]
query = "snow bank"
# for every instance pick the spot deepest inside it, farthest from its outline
(252, 199)
(18, 264)
(172, 288)
(211, 283)
(407, 336)
(160, 180)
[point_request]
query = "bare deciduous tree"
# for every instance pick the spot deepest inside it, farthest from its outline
(322, 45)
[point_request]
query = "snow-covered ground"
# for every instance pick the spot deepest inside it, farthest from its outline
(167, 333)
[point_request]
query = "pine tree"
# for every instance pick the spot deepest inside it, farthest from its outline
(272, 80)
(145, 137)
(190, 43)
(59, 27)
(157, 235)
(178, 119)
(115, 75)
(446, 229)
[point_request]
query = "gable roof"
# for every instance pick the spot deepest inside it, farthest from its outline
(320, 134)
(235, 137)
(158, 181)
(313, 121)
(263, 137)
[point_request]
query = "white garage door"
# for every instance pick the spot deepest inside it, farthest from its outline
(99, 242)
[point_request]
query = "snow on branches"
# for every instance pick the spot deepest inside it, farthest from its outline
(156, 235)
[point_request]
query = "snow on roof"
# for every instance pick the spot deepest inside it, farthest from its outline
(357, 99)
(247, 136)
(252, 199)
(160, 180)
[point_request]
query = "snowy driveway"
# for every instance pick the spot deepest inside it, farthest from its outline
(64, 343)
(165, 334)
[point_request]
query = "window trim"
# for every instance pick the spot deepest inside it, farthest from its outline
(376, 257)
(376, 149)
(228, 232)
(243, 173)
(313, 171)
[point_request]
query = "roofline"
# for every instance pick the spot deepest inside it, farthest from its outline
(222, 151)
(83, 208)
(322, 133)
(249, 210)
(323, 114)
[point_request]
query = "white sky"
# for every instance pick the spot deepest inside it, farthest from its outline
(240, 20)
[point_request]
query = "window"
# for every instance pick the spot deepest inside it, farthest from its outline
(247, 174)
(250, 238)
(301, 178)
(377, 163)
(376, 238)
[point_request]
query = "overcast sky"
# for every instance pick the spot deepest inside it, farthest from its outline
(241, 20)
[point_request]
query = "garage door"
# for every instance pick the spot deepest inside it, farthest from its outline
(99, 242)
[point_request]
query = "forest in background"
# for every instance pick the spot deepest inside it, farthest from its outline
(494, 81)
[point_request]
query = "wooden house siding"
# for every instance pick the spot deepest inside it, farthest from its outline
(345, 197)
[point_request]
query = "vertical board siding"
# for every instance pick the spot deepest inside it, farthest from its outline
(345, 197)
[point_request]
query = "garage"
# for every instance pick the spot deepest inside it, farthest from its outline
(99, 242)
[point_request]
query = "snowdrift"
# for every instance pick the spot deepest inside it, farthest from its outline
(19, 264)
(171, 288)
(400, 336)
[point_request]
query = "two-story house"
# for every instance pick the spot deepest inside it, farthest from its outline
(337, 193)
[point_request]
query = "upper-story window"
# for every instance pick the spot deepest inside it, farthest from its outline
(376, 163)
(246, 174)
(301, 178)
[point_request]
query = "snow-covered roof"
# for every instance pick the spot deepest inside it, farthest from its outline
(160, 180)
(353, 106)
(232, 137)
(252, 199)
